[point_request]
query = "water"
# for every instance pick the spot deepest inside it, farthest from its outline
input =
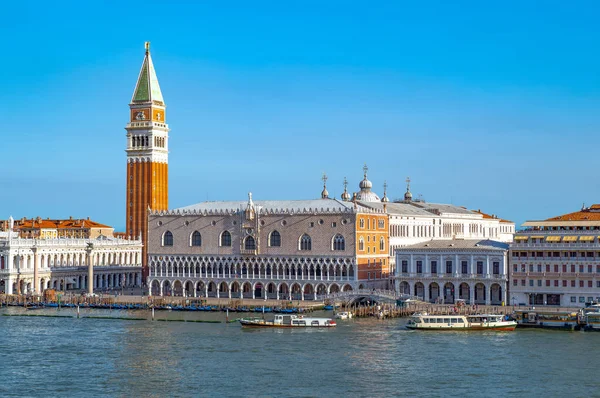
(96, 357)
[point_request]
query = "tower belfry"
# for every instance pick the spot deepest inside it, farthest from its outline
(147, 153)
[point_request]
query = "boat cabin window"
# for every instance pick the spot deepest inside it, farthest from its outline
(454, 320)
(315, 323)
(426, 320)
(440, 320)
(460, 320)
(446, 320)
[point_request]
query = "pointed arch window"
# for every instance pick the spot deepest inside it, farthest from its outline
(168, 239)
(226, 239)
(361, 244)
(250, 243)
(305, 242)
(275, 239)
(339, 243)
(196, 239)
(382, 244)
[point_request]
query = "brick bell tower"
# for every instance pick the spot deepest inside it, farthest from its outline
(147, 155)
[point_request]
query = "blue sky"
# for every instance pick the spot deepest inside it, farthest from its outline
(486, 106)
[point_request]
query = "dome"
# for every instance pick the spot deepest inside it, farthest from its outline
(385, 198)
(324, 194)
(365, 184)
(408, 195)
(346, 196)
(365, 194)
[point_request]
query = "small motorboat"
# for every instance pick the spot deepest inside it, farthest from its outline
(343, 315)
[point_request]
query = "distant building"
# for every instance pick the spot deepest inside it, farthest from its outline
(82, 228)
(442, 271)
(416, 221)
(40, 254)
(557, 261)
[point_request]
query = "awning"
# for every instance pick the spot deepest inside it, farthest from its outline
(569, 239)
(521, 237)
(553, 239)
(537, 237)
(586, 238)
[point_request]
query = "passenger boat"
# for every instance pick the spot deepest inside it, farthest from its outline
(288, 321)
(565, 320)
(591, 321)
(343, 315)
(460, 322)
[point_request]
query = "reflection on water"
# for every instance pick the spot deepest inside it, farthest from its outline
(361, 357)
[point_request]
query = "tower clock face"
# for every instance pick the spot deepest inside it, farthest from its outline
(140, 115)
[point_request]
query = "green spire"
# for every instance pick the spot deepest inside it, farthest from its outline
(147, 88)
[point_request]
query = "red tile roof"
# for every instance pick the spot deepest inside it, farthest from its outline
(591, 213)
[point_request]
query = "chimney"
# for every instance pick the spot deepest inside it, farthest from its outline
(70, 217)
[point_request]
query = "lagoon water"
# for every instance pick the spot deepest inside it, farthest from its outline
(363, 358)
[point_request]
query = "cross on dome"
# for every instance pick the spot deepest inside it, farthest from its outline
(324, 193)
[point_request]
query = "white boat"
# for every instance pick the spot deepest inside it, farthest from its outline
(460, 322)
(288, 321)
(343, 315)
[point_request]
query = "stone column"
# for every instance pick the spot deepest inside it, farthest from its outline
(488, 293)
(36, 281)
(90, 264)
(18, 266)
(472, 293)
(8, 286)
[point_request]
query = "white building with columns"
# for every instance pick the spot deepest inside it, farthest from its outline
(31, 265)
(442, 271)
(416, 221)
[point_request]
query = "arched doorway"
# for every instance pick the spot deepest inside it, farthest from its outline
(258, 290)
(334, 289)
(212, 290)
(464, 292)
(223, 290)
(496, 294)
(296, 292)
(177, 289)
(155, 288)
(189, 289)
(247, 290)
(420, 290)
(449, 293)
(235, 289)
(167, 291)
(404, 288)
(321, 290)
(200, 289)
(347, 288)
(434, 293)
(480, 293)
(309, 292)
(284, 292)
(271, 291)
